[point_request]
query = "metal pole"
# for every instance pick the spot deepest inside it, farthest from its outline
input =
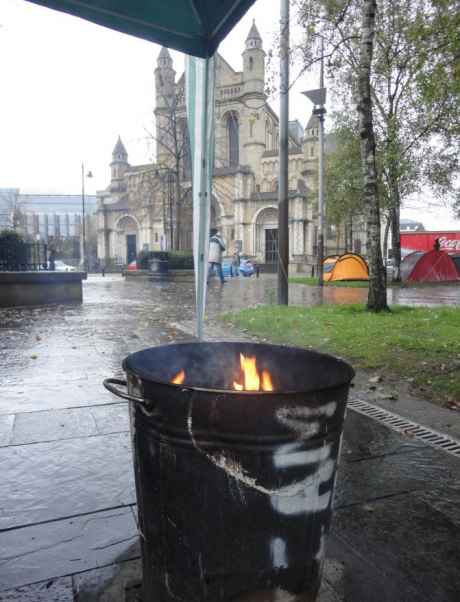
(321, 112)
(283, 189)
(171, 213)
(83, 230)
(205, 203)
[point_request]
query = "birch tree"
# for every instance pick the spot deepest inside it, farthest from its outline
(377, 299)
(414, 88)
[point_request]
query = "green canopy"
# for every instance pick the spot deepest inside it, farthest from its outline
(195, 27)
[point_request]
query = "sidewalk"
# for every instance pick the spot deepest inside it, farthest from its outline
(68, 517)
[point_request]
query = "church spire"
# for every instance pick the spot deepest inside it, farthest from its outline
(254, 39)
(164, 58)
(119, 164)
(119, 152)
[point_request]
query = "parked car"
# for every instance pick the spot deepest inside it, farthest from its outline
(60, 266)
(247, 267)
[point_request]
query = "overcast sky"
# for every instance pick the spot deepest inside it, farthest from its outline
(69, 88)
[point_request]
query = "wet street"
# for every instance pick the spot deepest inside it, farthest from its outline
(68, 528)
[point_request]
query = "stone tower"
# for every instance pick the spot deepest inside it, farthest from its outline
(253, 128)
(254, 62)
(119, 165)
(165, 93)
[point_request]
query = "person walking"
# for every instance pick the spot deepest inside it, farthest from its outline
(216, 247)
(236, 260)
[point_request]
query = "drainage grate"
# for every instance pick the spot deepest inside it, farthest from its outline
(407, 427)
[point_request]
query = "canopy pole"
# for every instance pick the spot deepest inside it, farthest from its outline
(204, 211)
(283, 189)
(320, 112)
(200, 118)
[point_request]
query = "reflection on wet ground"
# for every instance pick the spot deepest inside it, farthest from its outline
(68, 519)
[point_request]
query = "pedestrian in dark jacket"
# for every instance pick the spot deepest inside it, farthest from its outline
(216, 248)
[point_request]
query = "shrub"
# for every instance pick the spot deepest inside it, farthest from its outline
(178, 260)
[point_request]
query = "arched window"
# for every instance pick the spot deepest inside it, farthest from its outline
(251, 63)
(233, 140)
(268, 135)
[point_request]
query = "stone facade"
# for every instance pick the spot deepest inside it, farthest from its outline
(138, 211)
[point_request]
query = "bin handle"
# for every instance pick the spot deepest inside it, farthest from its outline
(112, 384)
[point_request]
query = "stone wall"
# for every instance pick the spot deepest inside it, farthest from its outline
(40, 288)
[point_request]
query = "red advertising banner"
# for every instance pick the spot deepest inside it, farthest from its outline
(424, 241)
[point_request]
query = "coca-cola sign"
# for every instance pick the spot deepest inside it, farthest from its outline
(449, 244)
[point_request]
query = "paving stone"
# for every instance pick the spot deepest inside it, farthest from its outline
(111, 418)
(33, 427)
(45, 481)
(109, 584)
(364, 438)
(51, 590)
(55, 549)
(422, 469)
(360, 580)
(18, 399)
(6, 429)
(415, 536)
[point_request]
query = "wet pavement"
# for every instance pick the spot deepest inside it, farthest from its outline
(67, 502)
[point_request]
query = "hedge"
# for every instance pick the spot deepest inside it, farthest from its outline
(178, 260)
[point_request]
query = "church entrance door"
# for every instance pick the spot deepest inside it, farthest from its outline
(271, 245)
(131, 252)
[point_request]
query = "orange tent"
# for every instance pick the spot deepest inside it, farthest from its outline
(348, 266)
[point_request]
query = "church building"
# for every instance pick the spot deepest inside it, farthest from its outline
(150, 206)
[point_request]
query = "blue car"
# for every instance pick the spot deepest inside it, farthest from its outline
(247, 267)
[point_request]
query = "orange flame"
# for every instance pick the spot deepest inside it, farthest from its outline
(179, 378)
(251, 378)
(267, 384)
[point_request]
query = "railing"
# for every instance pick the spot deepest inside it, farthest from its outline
(18, 256)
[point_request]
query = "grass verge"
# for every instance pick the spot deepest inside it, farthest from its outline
(420, 344)
(312, 281)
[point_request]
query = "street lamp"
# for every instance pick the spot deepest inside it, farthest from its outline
(318, 98)
(83, 224)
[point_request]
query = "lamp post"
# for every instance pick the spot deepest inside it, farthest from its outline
(318, 98)
(283, 188)
(83, 219)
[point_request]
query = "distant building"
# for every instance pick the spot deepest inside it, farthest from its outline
(53, 215)
(410, 225)
(42, 216)
(8, 200)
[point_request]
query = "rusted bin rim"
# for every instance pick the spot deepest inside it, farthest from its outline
(149, 365)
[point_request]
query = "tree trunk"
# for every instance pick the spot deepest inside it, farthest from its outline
(377, 298)
(350, 234)
(385, 237)
(396, 242)
(178, 201)
(395, 198)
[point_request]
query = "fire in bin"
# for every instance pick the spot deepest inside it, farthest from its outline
(252, 379)
(239, 463)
